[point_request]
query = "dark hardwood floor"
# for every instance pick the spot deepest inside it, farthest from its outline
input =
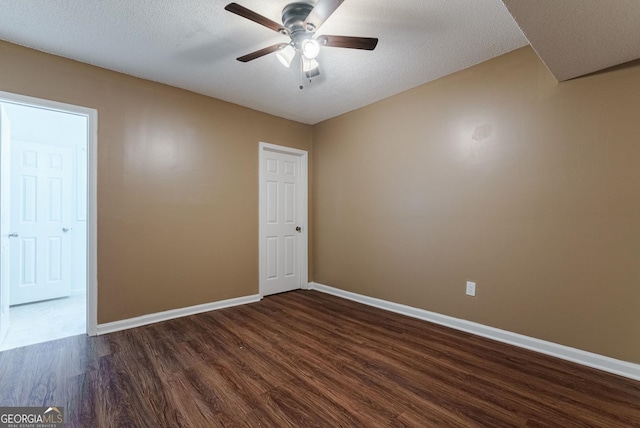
(306, 359)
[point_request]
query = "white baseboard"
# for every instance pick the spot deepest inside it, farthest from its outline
(585, 358)
(111, 327)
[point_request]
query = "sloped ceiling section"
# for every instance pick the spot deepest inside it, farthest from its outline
(578, 37)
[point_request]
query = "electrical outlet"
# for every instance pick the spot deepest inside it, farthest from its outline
(471, 288)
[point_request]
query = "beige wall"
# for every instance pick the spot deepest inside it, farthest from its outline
(499, 175)
(177, 183)
(496, 174)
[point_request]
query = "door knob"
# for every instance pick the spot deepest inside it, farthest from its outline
(298, 229)
(13, 235)
(65, 229)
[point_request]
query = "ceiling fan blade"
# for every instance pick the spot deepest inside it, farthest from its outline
(262, 52)
(253, 16)
(320, 12)
(366, 43)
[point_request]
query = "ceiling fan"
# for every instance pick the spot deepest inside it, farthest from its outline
(300, 21)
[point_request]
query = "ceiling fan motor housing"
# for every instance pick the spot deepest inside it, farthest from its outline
(293, 17)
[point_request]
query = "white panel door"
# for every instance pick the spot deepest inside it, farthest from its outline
(41, 192)
(281, 228)
(5, 199)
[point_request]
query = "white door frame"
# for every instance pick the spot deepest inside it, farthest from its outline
(303, 210)
(92, 189)
(5, 215)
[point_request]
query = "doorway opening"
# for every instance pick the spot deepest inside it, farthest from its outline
(47, 190)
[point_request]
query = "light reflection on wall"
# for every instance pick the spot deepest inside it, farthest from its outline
(474, 138)
(163, 154)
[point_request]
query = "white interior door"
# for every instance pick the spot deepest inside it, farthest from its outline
(283, 223)
(5, 200)
(41, 192)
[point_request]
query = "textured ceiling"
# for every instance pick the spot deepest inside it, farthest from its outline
(192, 44)
(577, 37)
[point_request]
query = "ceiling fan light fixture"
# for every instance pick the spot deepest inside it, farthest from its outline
(286, 55)
(310, 67)
(310, 48)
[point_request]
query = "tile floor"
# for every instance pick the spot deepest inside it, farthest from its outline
(43, 321)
